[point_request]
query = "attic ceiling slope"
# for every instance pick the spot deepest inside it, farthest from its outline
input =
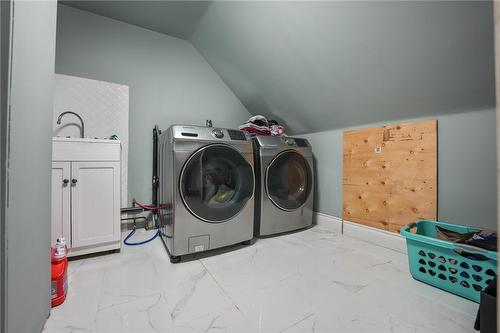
(326, 65)
(323, 65)
(175, 18)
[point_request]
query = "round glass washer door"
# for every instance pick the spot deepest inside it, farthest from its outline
(216, 182)
(288, 180)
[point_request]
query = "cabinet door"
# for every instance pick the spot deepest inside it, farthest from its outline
(95, 203)
(60, 226)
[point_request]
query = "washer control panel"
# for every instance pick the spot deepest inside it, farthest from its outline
(236, 135)
(218, 133)
(202, 133)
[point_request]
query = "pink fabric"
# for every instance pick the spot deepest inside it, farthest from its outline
(255, 130)
(277, 130)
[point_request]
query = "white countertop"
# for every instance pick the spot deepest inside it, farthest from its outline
(89, 140)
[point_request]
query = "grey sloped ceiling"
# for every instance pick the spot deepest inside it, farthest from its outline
(175, 18)
(322, 65)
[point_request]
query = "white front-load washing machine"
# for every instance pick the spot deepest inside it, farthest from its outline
(284, 178)
(206, 189)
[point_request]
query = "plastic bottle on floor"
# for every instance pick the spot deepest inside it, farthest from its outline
(59, 273)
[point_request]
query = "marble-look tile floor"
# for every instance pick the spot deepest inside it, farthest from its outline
(310, 281)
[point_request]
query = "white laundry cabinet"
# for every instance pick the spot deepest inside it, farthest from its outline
(86, 194)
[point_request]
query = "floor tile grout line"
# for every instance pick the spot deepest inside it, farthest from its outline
(223, 290)
(298, 322)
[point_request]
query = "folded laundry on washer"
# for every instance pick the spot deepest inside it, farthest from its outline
(259, 125)
(485, 239)
(255, 129)
(276, 129)
(258, 120)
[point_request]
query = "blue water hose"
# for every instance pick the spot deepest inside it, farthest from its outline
(126, 242)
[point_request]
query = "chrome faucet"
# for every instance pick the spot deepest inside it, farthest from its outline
(76, 114)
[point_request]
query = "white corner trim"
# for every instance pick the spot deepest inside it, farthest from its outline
(320, 218)
(365, 233)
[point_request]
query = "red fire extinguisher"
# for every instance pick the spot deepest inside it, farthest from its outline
(59, 273)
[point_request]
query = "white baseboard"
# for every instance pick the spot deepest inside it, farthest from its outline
(368, 234)
(320, 218)
(375, 236)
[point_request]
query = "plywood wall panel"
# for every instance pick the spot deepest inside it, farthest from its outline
(390, 174)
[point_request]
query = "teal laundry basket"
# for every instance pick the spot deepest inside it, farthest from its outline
(461, 269)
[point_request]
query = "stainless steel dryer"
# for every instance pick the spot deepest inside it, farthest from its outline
(284, 193)
(206, 190)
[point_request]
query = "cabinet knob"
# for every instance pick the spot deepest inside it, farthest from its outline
(73, 181)
(65, 181)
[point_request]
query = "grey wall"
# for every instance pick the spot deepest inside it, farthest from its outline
(320, 65)
(467, 190)
(29, 150)
(496, 14)
(5, 20)
(169, 81)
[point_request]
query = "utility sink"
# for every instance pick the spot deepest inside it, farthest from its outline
(84, 149)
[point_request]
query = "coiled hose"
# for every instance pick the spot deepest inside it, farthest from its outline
(126, 242)
(157, 233)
